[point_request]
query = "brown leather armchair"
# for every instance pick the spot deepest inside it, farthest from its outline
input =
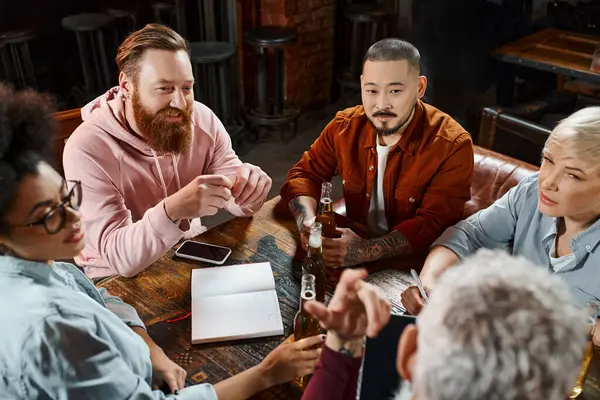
(494, 175)
(67, 121)
(520, 132)
(510, 134)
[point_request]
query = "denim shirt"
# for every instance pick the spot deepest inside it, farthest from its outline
(514, 221)
(63, 338)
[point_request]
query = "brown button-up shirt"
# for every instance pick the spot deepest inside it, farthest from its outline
(426, 182)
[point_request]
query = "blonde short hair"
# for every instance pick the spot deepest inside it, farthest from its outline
(581, 132)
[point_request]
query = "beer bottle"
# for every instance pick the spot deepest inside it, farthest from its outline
(325, 216)
(313, 263)
(304, 324)
(591, 315)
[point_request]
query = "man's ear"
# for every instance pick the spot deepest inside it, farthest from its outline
(422, 86)
(126, 85)
(407, 352)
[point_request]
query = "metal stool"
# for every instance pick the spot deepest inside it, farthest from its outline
(3, 76)
(211, 62)
(125, 22)
(269, 108)
(217, 22)
(369, 24)
(16, 59)
(88, 29)
(166, 14)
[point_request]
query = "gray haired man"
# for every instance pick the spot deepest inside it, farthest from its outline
(496, 327)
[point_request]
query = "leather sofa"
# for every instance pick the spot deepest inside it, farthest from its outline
(507, 133)
(494, 175)
(521, 131)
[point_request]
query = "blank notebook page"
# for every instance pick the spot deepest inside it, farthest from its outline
(234, 302)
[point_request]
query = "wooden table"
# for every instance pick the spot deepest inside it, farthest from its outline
(162, 292)
(553, 50)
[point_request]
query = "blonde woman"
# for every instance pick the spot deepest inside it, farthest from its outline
(550, 218)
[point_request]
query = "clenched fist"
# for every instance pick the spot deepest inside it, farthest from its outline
(251, 185)
(205, 195)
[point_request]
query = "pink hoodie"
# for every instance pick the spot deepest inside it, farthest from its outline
(124, 183)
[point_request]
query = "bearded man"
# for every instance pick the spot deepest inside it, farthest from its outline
(152, 161)
(406, 167)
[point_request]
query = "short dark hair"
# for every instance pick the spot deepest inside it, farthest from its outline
(152, 36)
(393, 49)
(27, 130)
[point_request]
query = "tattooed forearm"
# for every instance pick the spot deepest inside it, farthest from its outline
(391, 245)
(298, 210)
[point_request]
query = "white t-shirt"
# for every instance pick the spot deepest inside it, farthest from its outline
(376, 219)
(561, 263)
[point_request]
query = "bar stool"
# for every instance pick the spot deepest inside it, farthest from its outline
(217, 21)
(369, 23)
(269, 108)
(15, 57)
(166, 14)
(3, 76)
(89, 30)
(211, 63)
(125, 22)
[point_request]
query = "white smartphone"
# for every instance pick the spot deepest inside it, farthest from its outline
(209, 253)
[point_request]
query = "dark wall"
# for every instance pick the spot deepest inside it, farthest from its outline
(54, 50)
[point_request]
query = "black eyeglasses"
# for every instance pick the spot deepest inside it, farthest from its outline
(54, 220)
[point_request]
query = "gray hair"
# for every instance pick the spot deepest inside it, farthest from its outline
(498, 327)
(581, 130)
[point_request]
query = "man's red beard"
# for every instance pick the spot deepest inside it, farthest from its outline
(162, 135)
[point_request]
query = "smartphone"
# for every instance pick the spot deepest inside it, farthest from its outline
(209, 253)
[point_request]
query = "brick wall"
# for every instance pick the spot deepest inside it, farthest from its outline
(309, 61)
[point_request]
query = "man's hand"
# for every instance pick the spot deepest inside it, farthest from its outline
(304, 229)
(412, 300)
(303, 208)
(357, 308)
(205, 195)
(341, 252)
(251, 185)
(165, 370)
(291, 359)
(351, 249)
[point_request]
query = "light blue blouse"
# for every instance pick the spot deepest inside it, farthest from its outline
(515, 222)
(63, 338)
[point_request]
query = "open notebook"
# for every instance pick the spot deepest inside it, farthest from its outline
(234, 302)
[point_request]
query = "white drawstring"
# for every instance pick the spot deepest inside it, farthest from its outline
(160, 175)
(175, 165)
(175, 161)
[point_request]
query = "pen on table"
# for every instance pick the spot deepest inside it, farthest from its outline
(419, 285)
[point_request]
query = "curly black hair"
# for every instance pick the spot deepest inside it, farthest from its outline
(27, 130)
